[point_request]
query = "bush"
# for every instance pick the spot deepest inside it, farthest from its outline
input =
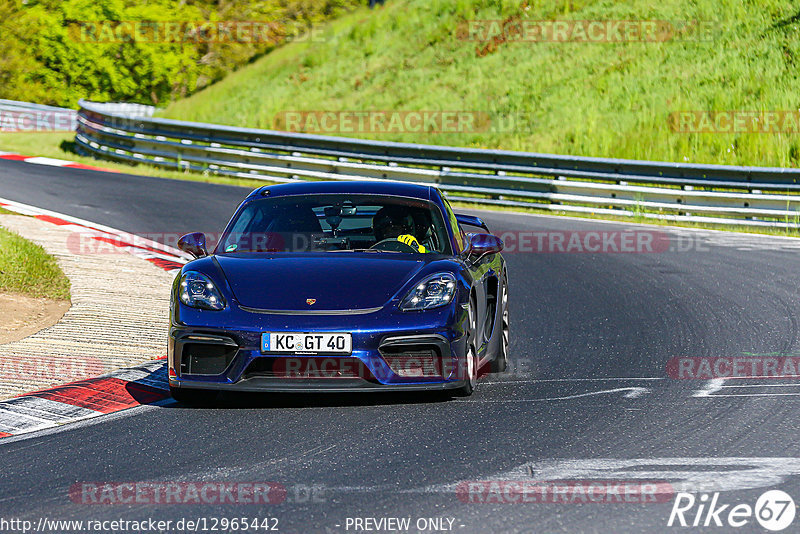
(56, 51)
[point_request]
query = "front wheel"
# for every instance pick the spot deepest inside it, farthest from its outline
(500, 362)
(471, 358)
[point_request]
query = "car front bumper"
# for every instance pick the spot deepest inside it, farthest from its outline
(392, 351)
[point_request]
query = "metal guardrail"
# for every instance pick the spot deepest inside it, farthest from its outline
(755, 196)
(27, 117)
(125, 109)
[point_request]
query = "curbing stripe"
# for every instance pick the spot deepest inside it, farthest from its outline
(160, 255)
(167, 265)
(46, 409)
(51, 162)
(104, 395)
(17, 423)
(89, 167)
(93, 397)
(53, 220)
(149, 253)
(85, 399)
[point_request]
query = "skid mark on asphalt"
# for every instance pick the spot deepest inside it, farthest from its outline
(673, 474)
(686, 474)
(544, 380)
(630, 393)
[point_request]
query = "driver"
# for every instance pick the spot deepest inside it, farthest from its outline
(395, 222)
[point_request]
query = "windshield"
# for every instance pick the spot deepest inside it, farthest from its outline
(337, 223)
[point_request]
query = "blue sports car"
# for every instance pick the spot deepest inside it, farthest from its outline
(340, 286)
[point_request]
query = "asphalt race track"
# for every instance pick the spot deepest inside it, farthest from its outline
(588, 396)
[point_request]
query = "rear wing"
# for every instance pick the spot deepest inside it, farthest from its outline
(471, 220)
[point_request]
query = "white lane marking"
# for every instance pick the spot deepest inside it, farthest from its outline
(16, 423)
(48, 161)
(763, 386)
(755, 395)
(710, 387)
(631, 393)
(86, 422)
(46, 409)
(713, 387)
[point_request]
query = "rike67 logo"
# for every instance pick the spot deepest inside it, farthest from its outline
(774, 510)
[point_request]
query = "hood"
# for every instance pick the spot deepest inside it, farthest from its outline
(336, 281)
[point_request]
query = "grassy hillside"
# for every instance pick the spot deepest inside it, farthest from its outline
(599, 99)
(57, 51)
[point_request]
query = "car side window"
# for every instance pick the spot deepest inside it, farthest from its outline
(458, 233)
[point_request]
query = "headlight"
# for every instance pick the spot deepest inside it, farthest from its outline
(432, 292)
(198, 291)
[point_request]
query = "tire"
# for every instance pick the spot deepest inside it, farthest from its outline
(500, 362)
(191, 396)
(471, 358)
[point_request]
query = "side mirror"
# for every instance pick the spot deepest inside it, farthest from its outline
(471, 220)
(194, 244)
(482, 244)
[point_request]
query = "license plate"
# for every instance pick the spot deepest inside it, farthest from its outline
(307, 342)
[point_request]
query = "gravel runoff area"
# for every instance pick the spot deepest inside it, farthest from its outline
(118, 318)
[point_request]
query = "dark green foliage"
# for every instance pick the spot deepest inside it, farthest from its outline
(57, 51)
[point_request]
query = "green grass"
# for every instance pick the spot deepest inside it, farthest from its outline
(606, 99)
(26, 268)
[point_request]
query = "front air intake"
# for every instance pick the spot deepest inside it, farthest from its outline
(206, 358)
(414, 361)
